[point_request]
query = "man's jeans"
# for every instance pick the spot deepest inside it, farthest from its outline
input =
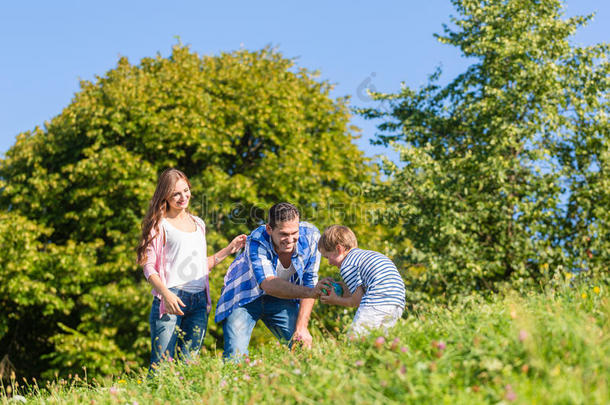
(186, 331)
(279, 315)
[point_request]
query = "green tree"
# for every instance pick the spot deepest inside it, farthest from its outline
(488, 160)
(249, 129)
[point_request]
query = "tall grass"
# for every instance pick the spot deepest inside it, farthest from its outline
(540, 348)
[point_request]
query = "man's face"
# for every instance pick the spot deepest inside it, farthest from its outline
(284, 236)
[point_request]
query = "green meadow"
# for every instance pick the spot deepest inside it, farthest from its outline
(543, 348)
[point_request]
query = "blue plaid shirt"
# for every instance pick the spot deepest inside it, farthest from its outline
(259, 261)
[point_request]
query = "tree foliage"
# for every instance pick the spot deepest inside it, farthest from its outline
(248, 128)
(504, 171)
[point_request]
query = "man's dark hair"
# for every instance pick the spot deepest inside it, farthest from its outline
(282, 212)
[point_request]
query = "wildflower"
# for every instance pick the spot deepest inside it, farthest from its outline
(383, 383)
(379, 342)
(404, 349)
(113, 390)
(476, 388)
(513, 314)
(441, 345)
(525, 368)
(596, 290)
(395, 343)
(122, 381)
(134, 403)
(509, 395)
(522, 335)
(569, 276)
(18, 398)
(359, 363)
(139, 381)
(247, 377)
(403, 370)
(584, 295)
(297, 371)
(223, 383)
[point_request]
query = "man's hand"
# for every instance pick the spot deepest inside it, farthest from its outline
(324, 284)
(303, 337)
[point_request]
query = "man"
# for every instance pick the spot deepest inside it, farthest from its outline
(274, 280)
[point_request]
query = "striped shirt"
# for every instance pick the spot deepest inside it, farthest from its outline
(378, 276)
(259, 261)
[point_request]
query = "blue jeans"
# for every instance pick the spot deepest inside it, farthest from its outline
(187, 331)
(279, 315)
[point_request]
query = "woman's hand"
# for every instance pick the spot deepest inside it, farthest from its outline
(237, 243)
(173, 303)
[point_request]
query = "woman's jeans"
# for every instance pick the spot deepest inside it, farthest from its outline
(185, 331)
(279, 315)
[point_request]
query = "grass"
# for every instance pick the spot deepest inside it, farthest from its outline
(550, 348)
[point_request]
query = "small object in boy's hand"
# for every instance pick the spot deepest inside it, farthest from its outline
(337, 287)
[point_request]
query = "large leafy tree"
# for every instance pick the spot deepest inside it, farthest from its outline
(490, 159)
(249, 129)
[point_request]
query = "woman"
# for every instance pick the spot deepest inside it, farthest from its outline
(173, 254)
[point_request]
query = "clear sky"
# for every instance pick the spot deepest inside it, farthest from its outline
(48, 46)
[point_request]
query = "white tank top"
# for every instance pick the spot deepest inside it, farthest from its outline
(186, 255)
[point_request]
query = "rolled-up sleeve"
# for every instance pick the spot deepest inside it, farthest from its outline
(150, 265)
(310, 273)
(260, 264)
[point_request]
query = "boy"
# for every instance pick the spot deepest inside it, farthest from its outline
(372, 282)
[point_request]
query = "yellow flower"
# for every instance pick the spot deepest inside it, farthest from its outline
(139, 381)
(122, 381)
(584, 295)
(556, 371)
(596, 290)
(569, 276)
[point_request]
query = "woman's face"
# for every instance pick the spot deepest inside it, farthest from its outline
(178, 200)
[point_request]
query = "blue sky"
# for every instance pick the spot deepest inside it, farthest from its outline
(49, 46)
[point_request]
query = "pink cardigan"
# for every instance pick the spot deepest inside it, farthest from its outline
(155, 262)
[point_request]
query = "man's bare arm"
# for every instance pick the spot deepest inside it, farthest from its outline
(279, 288)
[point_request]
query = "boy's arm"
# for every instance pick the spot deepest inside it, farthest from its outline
(347, 300)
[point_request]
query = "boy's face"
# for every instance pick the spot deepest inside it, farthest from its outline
(335, 258)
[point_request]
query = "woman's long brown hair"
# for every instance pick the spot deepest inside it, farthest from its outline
(158, 207)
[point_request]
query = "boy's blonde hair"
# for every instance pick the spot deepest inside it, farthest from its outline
(337, 235)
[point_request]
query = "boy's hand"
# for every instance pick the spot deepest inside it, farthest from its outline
(346, 292)
(331, 297)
